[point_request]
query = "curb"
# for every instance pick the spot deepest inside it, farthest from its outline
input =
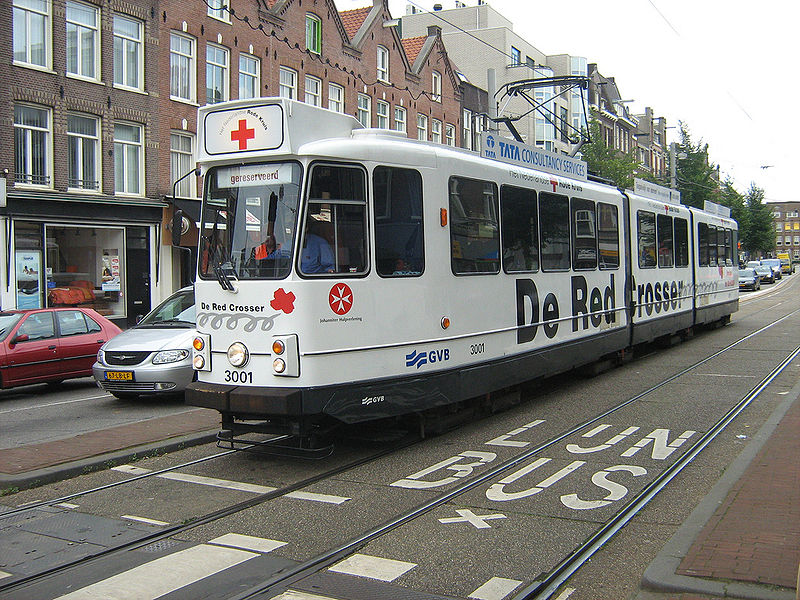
(99, 462)
(661, 576)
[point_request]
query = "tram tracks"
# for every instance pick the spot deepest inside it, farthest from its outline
(540, 589)
(543, 588)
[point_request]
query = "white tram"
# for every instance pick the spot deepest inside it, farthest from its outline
(349, 274)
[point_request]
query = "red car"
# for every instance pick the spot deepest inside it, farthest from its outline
(50, 345)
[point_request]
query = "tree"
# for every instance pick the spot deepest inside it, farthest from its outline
(607, 162)
(731, 198)
(697, 180)
(759, 237)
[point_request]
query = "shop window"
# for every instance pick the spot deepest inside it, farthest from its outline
(84, 266)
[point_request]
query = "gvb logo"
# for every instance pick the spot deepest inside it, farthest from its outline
(417, 359)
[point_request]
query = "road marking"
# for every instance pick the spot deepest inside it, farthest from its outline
(144, 520)
(496, 588)
(3, 574)
(565, 594)
(11, 410)
(467, 516)
(292, 595)
(372, 567)
(148, 581)
(66, 505)
(247, 542)
(233, 485)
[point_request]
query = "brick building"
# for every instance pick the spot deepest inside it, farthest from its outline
(786, 216)
(100, 103)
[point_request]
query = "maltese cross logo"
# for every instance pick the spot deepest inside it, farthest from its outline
(340, 298)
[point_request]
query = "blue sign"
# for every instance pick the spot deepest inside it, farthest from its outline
(523, 155)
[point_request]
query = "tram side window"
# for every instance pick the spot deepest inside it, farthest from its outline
(681, 228)
(702, 244)
(335, 232)
(519, 222)
(665, 242)
(399, 242)
(554, 228)
(712, 246)
(646, 233)
(474, 230)
(584, 236)
(734, 247)
(608, 236)
(724, 243)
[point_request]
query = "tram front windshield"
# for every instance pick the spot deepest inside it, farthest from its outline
(249, 221)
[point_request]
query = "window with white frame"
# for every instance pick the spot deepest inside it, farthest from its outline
(382, 114)
(335, 97)
(83, 40)
(778, 226)
(83, 152)
(400, 119)
(383, 64)
(217, 10)
(128, 159)
(181, 161)
(33, 141)
(436, 86)
(313, 91)
(32, 32)
(287, 87)
(249, 76)
(216, 74)
(313, 33)
(796, 240)
(436, 131)
(364, 112)
(422, 127)
(450, 134)
(128, 52)
(466, 133)
(181, 67)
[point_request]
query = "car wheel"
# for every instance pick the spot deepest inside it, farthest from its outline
(124, 396)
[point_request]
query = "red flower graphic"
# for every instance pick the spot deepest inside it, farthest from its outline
(283, 301)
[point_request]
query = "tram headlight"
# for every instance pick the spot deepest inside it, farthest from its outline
(238, 354)
(279, 365)
(198, 362)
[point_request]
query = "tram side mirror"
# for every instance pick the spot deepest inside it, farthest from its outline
(177, 227)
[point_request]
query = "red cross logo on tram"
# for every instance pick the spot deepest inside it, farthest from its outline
(341, 298)
(243, 134)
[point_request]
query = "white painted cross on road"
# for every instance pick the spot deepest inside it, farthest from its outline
(467, 516)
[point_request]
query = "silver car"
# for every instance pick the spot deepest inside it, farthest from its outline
(153, 358)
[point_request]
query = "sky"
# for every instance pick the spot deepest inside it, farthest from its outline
(725, 68)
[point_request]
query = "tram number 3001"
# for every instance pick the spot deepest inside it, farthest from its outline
(238, 376)
(476, 348)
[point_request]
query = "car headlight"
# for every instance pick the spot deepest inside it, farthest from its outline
(101, 356)
(170, 356)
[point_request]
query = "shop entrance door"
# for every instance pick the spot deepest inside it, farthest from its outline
(138, 260)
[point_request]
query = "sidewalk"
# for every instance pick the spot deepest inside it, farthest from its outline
(36, 464)
(743, 539)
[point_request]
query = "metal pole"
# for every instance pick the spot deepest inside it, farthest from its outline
(673, 167)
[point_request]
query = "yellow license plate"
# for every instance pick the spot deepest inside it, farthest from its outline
(119, 375)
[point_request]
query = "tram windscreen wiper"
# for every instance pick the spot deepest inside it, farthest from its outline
(222, 278)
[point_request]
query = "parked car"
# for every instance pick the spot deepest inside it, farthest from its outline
(154, 358)
(774, 264)
(50, 345)
(749, 280)
(765, 273)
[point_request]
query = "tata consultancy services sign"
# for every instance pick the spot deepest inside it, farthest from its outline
(523, 155)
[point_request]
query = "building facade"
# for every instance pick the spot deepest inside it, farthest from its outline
(100, 102)
(786, 217)
(478, 39)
